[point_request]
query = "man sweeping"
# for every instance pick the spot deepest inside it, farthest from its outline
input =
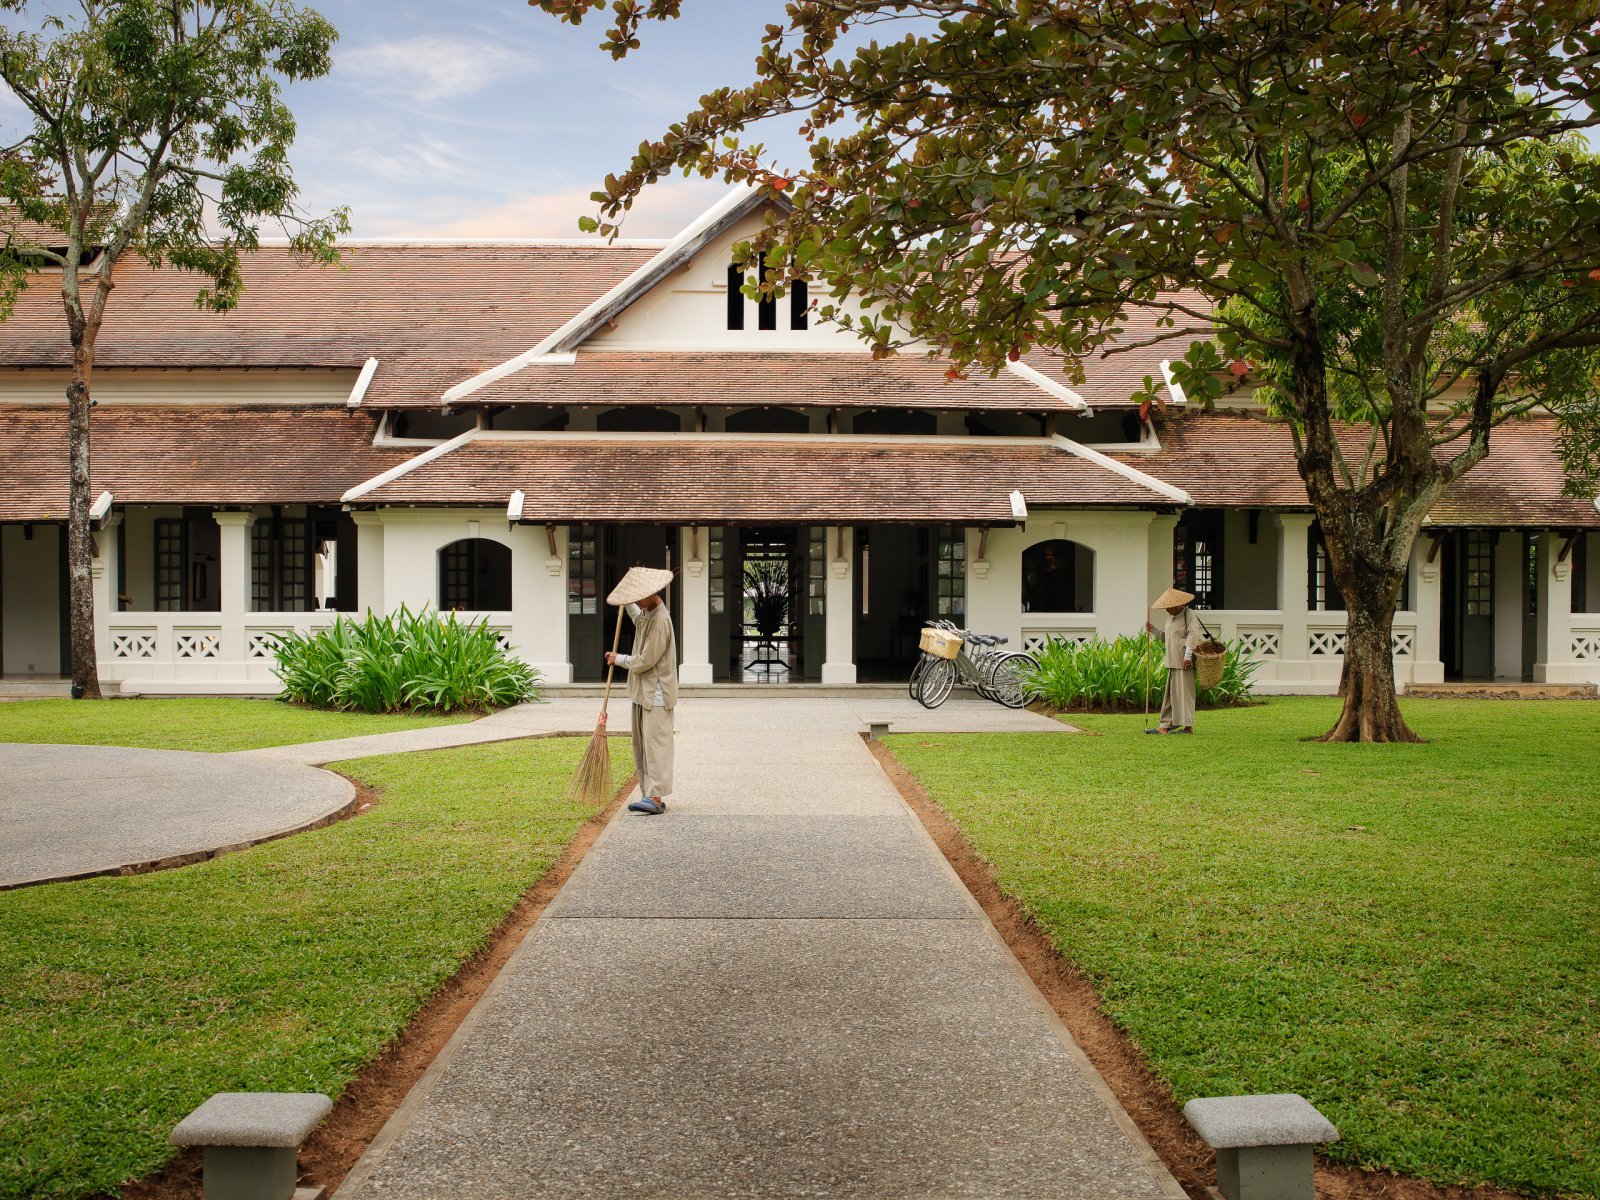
(652, 684)
(1183, 631)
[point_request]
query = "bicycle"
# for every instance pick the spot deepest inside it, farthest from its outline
(981, 664)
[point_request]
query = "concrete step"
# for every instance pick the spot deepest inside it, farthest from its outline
(1496, 689)
(34, 689)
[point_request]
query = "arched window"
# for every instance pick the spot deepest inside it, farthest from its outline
(638, 419)
(1058, 576)
(768, 420)
(475, 575)
(896, 420)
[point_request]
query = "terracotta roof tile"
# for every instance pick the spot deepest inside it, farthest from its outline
(431, 315)
(841, 379)
(737, 481)
(1242, 461)
(188, 456)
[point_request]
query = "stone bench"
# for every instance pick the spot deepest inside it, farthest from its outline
(876, 730)
(1263, 1143)
(252, 1142)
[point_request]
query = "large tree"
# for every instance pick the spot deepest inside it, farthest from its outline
(157, 128)
(1383, 212)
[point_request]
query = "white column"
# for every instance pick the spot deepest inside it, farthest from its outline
(1426, 601)
(1294, 650)
(840, 665)
(1553, 653)
(233, 583)
(1508, 571)
(103, 573)
(696, 584)
(369, 562)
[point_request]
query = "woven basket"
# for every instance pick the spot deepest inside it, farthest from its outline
(939, 643)
(1209, 658)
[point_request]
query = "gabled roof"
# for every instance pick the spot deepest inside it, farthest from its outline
(732, 479)
(189, 456)
(582, 325)
(833, 379)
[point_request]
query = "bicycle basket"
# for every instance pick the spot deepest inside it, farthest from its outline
(940, 643)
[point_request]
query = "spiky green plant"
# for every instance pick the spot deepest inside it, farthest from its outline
(404, 662)
(1111, 676)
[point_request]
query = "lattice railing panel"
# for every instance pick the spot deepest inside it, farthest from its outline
(1586, 646)
(1326, 643)
(1259, 643)
(1402, 642)
(1034, 641)
(262, 643)
(196, 643)
(133, 643)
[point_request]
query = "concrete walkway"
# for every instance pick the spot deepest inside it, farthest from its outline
(70, 811)
(779, 988)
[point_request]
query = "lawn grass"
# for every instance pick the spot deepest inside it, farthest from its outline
(1409, 936)
(125, 1002)
(192, 723)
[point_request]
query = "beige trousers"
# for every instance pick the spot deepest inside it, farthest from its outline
(1177, 704)
(652, 749)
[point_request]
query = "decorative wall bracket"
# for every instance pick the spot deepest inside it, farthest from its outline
(696, 567)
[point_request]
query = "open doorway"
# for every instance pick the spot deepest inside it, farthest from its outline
(598, 557)
(905, 575)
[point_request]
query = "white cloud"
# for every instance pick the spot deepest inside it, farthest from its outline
(430, 69)
(663, 210)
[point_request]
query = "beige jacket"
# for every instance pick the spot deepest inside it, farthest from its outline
(1183, 631)
(654, 661)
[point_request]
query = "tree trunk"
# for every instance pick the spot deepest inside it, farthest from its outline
(80, 541)
(1371, 708)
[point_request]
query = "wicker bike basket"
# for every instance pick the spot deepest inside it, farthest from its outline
(1209, 657)
(939, 643)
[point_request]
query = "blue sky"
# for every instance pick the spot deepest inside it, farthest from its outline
(486, 118)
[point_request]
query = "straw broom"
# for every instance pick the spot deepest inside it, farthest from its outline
(591, 783)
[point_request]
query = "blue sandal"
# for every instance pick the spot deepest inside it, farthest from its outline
(653, 805)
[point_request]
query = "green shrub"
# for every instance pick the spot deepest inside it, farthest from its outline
(406, 662)
(1111, 676)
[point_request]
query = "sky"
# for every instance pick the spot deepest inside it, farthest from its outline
(490, 119)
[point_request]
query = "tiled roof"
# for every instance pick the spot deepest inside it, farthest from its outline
(431, 315)
(1241, 461)
(844, 379)
(189, 456)
(1111, 379)
(736, 481)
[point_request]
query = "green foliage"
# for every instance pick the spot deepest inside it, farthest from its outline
(766, 589)
(206, 723)
(1402, 934)
(125, 1002)
(403, 662)
(1122, 675)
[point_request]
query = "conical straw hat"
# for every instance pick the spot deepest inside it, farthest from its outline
(638, 583)
(1172, 598)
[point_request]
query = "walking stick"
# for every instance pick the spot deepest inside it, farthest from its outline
(591, 783)
(1145, 650)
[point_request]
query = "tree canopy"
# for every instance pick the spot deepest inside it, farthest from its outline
(1382, 212)
(156, 127)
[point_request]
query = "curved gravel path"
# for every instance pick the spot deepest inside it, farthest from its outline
(71, 811)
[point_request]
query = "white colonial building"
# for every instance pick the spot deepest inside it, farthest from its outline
(502, 429)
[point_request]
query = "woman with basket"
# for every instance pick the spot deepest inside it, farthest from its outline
(1182, 635)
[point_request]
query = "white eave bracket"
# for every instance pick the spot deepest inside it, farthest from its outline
(1019, 506)
(1175, 494)
(1174, 390)
(101, 508)
(514, 507)
(1044, 383)
(405, 468)
(363, 382)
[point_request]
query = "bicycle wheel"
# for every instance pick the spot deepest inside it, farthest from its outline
(917, 673)
(1005, 679)
(936, 683)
